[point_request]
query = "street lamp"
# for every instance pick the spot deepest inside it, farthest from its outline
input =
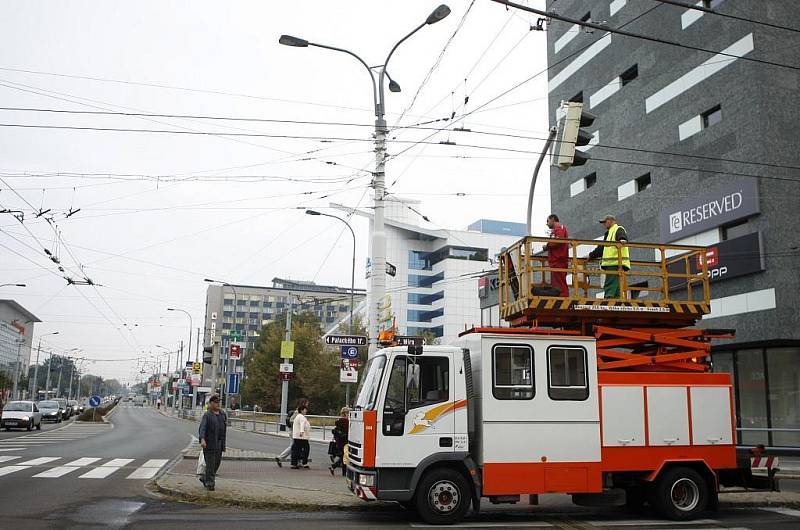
(352, 282)
(12, 285)
(378, 277)
(191, 327)
(35, 388)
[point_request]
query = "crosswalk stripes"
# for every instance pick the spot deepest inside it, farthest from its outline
(69, 433)
(107, 468)
(88, 465)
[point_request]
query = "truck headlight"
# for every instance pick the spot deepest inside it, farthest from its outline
(366, 480)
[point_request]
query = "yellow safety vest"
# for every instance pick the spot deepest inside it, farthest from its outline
(610, 254)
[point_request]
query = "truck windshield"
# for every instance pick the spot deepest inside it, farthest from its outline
(368, 392)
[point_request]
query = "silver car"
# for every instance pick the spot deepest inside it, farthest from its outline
(21, 415)
(51, 411)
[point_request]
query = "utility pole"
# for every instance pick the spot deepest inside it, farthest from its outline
(196, 349)
(17, 368)
(285, 383)
(47, 382)
(180, 372)
(35, 388)
(60, 373)
(215, 358)
(71, 374)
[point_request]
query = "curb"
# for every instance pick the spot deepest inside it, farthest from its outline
(278, 504)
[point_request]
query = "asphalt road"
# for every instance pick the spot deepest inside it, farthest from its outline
(95, 476)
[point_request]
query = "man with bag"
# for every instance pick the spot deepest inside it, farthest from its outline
(212, 433)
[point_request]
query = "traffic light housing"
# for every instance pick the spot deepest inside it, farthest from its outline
(570, 134)
(208, 354)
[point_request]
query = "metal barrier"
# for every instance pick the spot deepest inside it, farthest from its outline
(666, 279)
(265, 422)
(789, 450)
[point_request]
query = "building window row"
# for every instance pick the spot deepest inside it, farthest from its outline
(634, 186)
(418, 315)
(417, 280)
(436, 331)
(424, 299)
(700, 122)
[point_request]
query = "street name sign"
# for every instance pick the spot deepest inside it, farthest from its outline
(403, 340)
(346, 340)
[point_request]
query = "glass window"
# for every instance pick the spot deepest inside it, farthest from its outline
(751, 385)
(396, 388)
(712, 116)
(512, 372)
(629, 75)
(567, 373)
(589, 180)
(418, 260)
(643, 182)
(371, 382)
(434, 382)
(784, 394)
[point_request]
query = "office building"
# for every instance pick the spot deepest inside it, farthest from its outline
(695, 148)
(257, 306)
(16, 336)
(433, 289)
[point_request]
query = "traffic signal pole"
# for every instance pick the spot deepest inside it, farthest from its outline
(285, 383)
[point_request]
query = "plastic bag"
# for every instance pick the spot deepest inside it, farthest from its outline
(201, 465)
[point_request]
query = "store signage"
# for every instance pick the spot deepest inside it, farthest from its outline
(487, 284)
(726, 259)
(727, 203)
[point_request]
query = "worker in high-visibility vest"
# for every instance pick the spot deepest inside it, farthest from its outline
(611, 256)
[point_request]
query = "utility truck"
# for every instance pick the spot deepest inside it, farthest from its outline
(609, 400)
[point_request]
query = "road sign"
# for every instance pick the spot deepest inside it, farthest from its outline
(404, 340)
(287, 368)
(235, 351)
(197, 368)
(95, 401)
(287, 349)
(391, 270)
(232, 388)
(285, 376)
(349, 352)
(349, 365)
(346, 340)
(348, 376)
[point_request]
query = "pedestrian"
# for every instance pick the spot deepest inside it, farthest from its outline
(301, 434)
(212, 432)
(340, 432)
(558, 255)
(612, 258)
(158, 403)
(286, 453)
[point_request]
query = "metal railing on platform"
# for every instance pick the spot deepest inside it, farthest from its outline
(660, 278)
(265, 422)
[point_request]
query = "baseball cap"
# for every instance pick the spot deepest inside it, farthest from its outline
(606, 218)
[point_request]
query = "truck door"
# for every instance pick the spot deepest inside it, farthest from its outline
(417, 416)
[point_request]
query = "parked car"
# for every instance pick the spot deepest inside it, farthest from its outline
(51, 411)
(21, 414)
(66, 410)
(76, 408)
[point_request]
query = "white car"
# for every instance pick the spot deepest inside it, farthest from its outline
(21, 415)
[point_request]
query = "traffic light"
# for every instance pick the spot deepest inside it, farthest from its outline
(208, 354)
(571, 134)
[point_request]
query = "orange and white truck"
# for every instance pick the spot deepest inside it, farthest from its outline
(620, 414)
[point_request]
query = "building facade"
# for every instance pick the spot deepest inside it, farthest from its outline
(240, 311)
(16, 337)
(697, 148)
(433, 288)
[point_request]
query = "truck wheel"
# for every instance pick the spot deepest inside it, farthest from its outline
(680, 494)
(443, 497)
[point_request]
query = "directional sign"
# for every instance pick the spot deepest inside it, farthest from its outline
(349, 352)
(95, 401)
(346, 340)
(404, 340)
(391, 270)
(232, 388)
(197, 368)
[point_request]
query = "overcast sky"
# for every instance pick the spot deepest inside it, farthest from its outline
(161, 211)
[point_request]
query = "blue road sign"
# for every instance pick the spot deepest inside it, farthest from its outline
(349, 352)
(94, 401)
(233, 384)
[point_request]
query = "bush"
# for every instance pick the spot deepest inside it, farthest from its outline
(96, 415)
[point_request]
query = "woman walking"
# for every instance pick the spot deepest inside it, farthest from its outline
(284, 456)
(340, 432)
(301, 434)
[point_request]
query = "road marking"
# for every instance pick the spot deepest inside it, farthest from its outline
(82, 461)
(7, 458)
(648, 522)
(12, 448)
(783, 511)
(508, 524)
(56, 472)
(148, 470)
(106, 469)
(11, 469)
(39, 461)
